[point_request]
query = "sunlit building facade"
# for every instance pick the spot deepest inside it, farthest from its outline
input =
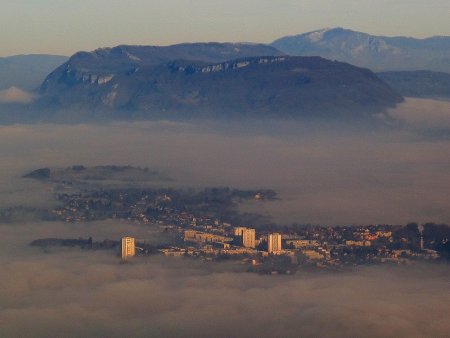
(248, 238)
(128, 247)
(274, 243)
(238, 231)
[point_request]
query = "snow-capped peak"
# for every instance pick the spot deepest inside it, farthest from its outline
(318, 35)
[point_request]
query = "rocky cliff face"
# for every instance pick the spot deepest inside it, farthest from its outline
(276, 86)
(101, 65)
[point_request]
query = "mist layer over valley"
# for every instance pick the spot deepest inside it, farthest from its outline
(323, 173)
(76, 293)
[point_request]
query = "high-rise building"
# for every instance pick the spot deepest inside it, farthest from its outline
(128, 247)
(274, 243)
(248, 238)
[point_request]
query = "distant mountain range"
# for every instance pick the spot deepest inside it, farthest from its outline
(378, 53)
(27, 71)
(166, 81)
(290, 77)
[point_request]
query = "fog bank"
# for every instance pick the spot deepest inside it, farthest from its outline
(75, 293)
(327, 174)
(15, 95)
(423, 114)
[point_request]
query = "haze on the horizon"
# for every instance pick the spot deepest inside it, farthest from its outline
(63, 27)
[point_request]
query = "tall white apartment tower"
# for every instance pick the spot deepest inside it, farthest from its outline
(274, 243)
(128, 247)
(248, 238)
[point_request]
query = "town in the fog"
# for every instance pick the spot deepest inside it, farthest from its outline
(206, 224)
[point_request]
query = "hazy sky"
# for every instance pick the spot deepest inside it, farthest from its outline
(63, 27)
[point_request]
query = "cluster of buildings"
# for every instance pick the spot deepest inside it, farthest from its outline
(161, 206)
(240, 241)
(232, 242)
(318, 246)
(195, 220)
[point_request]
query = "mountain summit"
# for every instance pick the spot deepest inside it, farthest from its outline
(207, 80)
(105, 63)
(379, 53)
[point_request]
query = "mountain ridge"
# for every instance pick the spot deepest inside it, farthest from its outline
(261, 86)
(378, 53)
(106, 62)
(209, 80)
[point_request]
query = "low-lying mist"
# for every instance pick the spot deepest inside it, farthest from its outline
(328, 174)
(15, 95)
(74, 293)
(324, 173)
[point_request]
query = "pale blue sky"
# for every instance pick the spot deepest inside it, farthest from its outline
(66, 26)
